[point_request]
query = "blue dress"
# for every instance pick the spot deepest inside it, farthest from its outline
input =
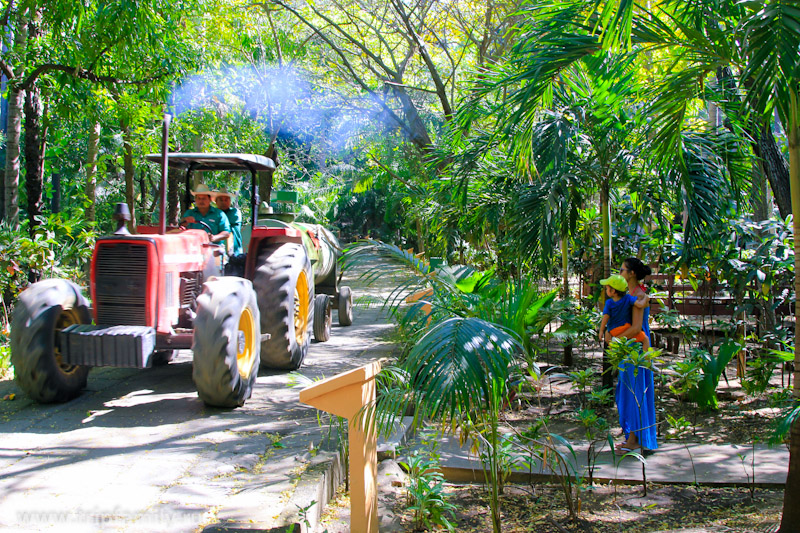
(636, 399)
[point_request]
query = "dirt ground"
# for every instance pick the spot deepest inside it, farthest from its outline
(542, 508)
(612, 509)
(740, 419)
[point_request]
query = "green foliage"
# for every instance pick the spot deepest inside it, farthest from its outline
(576, 323)
(688, 376)
(581, 381)
(705, 393)
(780, 399)
(674, 320)
(464, 352)
(761, 368)
(624, 351)
(679, 427)
(595, 426)
(425, 492)
(601, 397)
(789, 414)
(5, 351)
(502, 456)
(60, 247)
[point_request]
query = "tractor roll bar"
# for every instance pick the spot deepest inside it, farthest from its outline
(162, 221)
(199, 162)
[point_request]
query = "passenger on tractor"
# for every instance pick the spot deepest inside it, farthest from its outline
(205, 216)
(236, 261)
(224, 201)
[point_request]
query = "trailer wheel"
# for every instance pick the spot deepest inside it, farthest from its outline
(42, 311)
(226, 342)
(345, 306)
(322, 318)
(285, 287)
(162, 357)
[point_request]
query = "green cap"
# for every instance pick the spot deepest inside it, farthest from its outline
(615, 281)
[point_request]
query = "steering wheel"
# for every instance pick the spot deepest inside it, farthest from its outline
(205, 226)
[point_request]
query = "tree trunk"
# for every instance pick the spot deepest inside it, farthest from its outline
(759, 193)
(14, 129)
(565, 266)
(34, 181)
(91, 168)
(16, 97)
(775, 167)
(130, 197)
(173, 197)
(55, 204)
(197, 145)
(605, 214)
(417, 132)
(568, 346)
(420, 237)
(766, 149)
(34, 140)
(790, 521)
(791, 495)
(761, 212)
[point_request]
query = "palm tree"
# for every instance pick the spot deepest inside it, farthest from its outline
(759, 40)
(585, 133)
(773, 72)
(463, 352)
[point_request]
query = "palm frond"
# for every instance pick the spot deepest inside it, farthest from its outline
(381, 260)
(461, 364)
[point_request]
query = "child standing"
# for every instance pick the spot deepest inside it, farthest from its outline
(618, 310)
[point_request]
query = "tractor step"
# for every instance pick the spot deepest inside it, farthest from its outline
(120, 346)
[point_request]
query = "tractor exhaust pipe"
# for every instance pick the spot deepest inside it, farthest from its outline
(162, 228)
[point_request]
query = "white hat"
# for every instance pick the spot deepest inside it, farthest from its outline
(224, 192)
(203, 189)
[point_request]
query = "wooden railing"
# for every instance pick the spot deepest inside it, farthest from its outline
(665, 292)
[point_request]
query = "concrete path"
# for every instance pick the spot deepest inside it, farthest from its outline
(139, 452)
(673, 462)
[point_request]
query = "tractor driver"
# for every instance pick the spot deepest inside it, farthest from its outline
(205, 216)
(224, 200)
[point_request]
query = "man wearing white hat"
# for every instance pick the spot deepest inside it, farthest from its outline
(224, 201)
(205, 216)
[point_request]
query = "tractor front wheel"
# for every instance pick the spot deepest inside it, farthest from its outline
(285, 286)
(226, 342)
(42, 311)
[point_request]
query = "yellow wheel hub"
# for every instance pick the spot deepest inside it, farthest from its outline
(246, 343)
(67, 318)
(301, 304)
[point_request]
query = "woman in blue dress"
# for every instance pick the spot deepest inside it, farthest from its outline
(635, 395)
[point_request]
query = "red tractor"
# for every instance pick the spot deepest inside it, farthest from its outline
(163, 290)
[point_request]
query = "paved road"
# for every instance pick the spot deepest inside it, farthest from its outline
(139, 452)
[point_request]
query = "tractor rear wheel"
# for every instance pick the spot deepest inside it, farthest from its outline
(285, 286)
(42, 311)
(226, 342)
(345, 306)
(322, 318)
